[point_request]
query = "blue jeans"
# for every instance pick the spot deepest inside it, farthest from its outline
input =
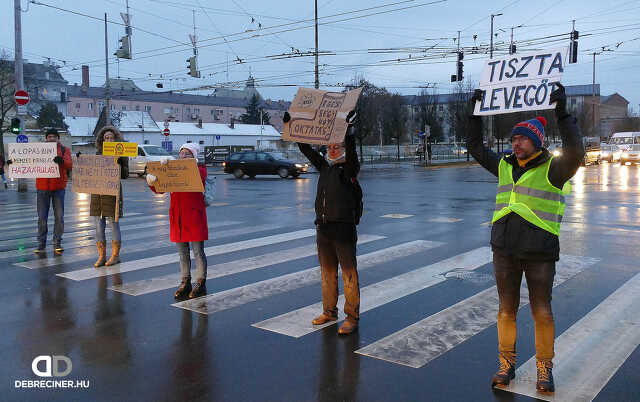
(185, 259)
(100, 226)
(44, 199)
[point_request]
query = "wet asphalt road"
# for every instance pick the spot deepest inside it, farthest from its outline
(138, 346)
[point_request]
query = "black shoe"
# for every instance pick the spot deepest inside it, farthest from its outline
(183, 289)
(199, 289)
(505, 373)
(5, 186)
(545, 377)
(58, 249)
(40, 249)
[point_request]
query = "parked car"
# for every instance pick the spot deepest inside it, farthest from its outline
(255, 163)
(147, 153)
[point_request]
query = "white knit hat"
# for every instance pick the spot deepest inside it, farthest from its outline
(193, 147)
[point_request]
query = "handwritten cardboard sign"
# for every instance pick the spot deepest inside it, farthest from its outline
(129, 149)
(96, 174)
(319, 117)
(33, 160)
(180, 175)
(520, 82)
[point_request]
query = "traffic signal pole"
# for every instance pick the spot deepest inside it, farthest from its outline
(107, 91)
(22, 183)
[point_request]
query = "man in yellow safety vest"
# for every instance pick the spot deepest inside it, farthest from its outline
(530, 203)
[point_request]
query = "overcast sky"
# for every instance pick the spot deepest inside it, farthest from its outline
(232, 30)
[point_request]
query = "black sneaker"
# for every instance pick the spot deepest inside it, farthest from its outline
(199, 289)
(545, 377)
(505, 373)
(58, 249)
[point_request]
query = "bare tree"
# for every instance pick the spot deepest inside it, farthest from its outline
(368, 109)
(394, 120)
(428, 115)
(460, 109)
(7, 88)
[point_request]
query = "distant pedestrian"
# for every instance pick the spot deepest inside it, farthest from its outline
(532, 185)
(429, 152)
(337, 214)
(4, 179)
(188, 225)
(103, 207)
(51, 191)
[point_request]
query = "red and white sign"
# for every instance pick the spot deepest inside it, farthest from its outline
(21, 97)
(166, 132)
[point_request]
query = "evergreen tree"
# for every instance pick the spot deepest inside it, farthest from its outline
(253, 110)
(50, 117)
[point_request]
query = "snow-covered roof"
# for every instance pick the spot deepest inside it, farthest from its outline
(182, 128)
(135, 121)
(81, 126)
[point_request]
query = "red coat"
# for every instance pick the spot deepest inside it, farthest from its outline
(57, 183)
(188, 215)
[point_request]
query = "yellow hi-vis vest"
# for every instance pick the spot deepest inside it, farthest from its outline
(533, 197)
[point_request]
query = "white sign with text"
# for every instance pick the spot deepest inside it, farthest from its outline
(520, 82)
(33, 160)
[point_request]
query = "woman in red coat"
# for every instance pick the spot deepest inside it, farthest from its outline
(188, 225)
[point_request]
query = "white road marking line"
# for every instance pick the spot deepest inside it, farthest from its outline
(39, 263)
(444, 219)
(297, 323)
(161, 260)
(228, 268)
(590, 352)
(67, 218)
(227, 299)
(423, 341)
(396, 216)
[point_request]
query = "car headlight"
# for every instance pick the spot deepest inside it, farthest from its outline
(556, 153)
(624, 155)
(298, 165)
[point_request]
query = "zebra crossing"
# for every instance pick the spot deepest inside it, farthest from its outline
(415, 345)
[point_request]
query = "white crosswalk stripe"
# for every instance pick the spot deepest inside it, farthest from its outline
(162, 242)
(298, 322)
(127, 266)
(67, 217)
(259, 290)
(590, 352)
(228, 268)
(419, 343)
(31, 229)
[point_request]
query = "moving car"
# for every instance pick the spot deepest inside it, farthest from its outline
(609, 153)
(255, 163)
(147, 153)
(631, 155)
(591, 150)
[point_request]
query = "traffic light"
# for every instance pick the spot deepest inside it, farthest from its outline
(512, 49)
(460, 66)
(15, 126)
(124, 52)
(193, 67)
(573, 57)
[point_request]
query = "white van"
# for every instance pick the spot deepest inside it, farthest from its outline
(147, 153)
(628, 145)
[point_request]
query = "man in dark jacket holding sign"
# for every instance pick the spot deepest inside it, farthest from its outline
(532, 185)
(337, 213)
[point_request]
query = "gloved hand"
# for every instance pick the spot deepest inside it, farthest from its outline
(78, 154)
(286, 118)
(8, 162)
(478, 94)
(58, 160)
(151, 179)
(164, 161)
(559, 97)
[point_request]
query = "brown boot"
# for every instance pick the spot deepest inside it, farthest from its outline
(348, 326)
(323, 318)
(199, 289)
(183, 289)
(102, 253)
(115, 253)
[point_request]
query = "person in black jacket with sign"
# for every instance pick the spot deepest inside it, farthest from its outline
(520, 246)
(337, 214)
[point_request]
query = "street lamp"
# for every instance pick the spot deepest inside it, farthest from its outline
(491, 46)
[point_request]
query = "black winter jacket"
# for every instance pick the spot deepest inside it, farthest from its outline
(512, 234)
(335, 200)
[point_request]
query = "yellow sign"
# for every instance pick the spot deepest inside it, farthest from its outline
(120, 149)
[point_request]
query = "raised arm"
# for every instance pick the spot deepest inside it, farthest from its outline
(485, 156)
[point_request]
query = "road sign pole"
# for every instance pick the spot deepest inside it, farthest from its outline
(17, 13)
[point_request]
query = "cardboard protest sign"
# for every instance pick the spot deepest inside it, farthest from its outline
(520, 82)
(177, 175)
(129, 149)
(96, 174)
(33, 160)
(319, 117)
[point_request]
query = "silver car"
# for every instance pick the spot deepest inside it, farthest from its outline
(147, 153)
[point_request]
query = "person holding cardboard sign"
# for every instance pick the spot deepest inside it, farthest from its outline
(532, 186)
(188, 225)
(108, 207)
(338, 208)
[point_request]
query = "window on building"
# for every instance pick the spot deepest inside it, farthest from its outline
(90, 106)
(196, 111)
(124, 107)
(573, 101)
(167, 110)
(137, 108)
(112, 107)
(146, 141)
(201, 142)
(217, 114)
(77, 106)
(188, 110)
(441, 108)
(147, 108)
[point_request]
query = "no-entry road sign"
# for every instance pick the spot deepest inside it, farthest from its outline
(166, 132)
(21, 97)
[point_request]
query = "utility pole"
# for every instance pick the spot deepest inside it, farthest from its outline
(593, 92)
(20, 110)
(491, 40)
(317, 82)
(107, 92)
